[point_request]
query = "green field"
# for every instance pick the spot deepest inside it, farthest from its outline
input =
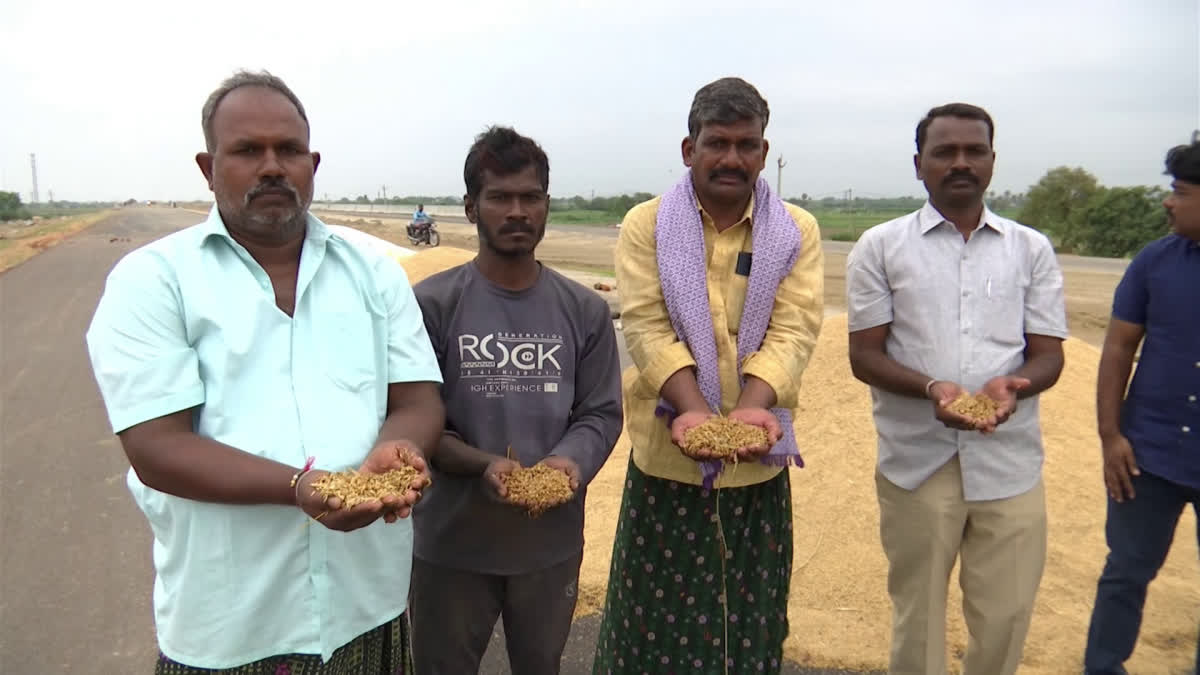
(58, 211)
(836, 224)
(848, 225)
(584, 217)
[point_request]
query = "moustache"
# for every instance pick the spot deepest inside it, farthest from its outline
(272, 187)
(517, 228)
(732, 173)
(961, 175)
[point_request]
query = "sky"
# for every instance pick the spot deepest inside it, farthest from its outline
(108, 95)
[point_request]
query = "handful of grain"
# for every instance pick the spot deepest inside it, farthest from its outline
(538, 488)
(355, 488)
(978, 407)
(722, 437)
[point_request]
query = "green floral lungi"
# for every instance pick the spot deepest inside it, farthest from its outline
(663, 613)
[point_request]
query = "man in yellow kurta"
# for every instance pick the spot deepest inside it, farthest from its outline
(721, 289)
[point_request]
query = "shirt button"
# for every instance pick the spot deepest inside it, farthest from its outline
(1192, 398)
(1187, 429)
(965, 293)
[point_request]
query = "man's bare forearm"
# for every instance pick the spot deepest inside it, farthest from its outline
(169, 457)
(1111, 380)
(1042, 371)
(879, 370)
(454, 455)
(757, 394)
(416, 414)
(682, 391)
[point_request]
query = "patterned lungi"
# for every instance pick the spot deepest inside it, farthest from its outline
(382, 651)
(663, 613)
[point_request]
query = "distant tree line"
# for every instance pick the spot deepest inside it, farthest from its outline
(1068, 204)
(11, 207)
(997, 201)
(1082, 216)
(618, 204)
(400, 201)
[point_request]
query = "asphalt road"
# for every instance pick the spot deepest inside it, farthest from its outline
(75, 573)
(75, 569)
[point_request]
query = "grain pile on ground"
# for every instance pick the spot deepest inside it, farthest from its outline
(978, 407)
(355, 488)
(723, 437)
(537, 488)
(839, 610)
(429, 261)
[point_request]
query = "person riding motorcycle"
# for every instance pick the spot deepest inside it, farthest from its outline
(420, 221)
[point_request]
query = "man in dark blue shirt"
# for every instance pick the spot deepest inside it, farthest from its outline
(1151, 436)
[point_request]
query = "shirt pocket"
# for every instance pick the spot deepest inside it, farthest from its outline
(349, 350)
(735, 288)
(1002, 306)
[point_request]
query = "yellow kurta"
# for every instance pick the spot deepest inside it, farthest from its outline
(658, 353)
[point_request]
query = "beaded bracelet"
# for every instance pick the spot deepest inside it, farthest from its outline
(308, 465)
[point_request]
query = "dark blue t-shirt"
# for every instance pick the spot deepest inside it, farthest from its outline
(1161, 413)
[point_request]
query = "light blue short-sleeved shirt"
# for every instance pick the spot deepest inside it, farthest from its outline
(190, 321)
(959, 311)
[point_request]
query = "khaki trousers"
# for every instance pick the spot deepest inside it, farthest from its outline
(1003, 547)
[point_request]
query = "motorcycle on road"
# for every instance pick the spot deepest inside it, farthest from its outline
(423, 232)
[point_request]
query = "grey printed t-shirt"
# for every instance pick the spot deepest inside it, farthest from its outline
(536, 370)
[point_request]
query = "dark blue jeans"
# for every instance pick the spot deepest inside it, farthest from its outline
(1139, 534)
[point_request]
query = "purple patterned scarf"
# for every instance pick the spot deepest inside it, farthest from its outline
(775, 243)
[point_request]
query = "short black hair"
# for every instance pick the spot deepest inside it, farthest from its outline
(725, 101)
(963, 110)
(242, 78)
(504, 152)
(1183, 161)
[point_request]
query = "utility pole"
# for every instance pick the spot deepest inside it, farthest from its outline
(51, 196)
(383, 189)
(33, 165)
(779, 177)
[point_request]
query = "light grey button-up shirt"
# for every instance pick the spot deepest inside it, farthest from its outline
(958, 311)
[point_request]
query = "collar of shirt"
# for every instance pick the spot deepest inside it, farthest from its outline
(929, 217)
(214, 226)
(747, 215)
(1191, 244)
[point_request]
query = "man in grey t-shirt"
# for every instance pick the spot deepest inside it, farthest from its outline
(529, 360)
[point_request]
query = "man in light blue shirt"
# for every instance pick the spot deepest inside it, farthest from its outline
(233, 355)
(419, 215)
(420, 221)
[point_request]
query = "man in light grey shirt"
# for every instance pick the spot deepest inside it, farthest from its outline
(947, 300)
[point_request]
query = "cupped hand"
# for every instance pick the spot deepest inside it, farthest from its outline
(764, 419)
